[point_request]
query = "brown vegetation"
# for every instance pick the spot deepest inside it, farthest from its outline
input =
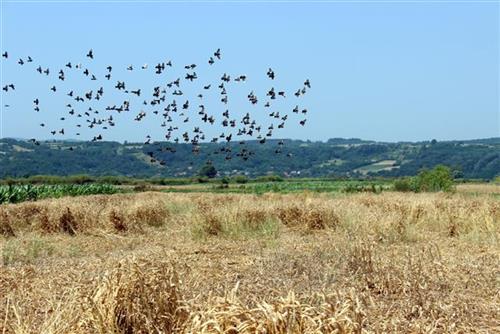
(208, 263)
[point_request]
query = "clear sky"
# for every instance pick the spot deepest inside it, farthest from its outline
(390, 71)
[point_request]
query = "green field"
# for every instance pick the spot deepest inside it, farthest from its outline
(286, 187)
(36, 188)
(28, 192)
(21, 193)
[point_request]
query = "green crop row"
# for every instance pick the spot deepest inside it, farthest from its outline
(21, 193)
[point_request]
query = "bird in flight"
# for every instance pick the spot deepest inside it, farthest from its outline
(178, 121)
(217, 53)
(270, 73)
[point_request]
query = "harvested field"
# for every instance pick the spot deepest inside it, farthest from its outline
(232, 263)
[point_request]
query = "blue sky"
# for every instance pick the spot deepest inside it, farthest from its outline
(383, 71)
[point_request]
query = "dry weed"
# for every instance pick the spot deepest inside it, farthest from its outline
(416, 263)
(5, 228)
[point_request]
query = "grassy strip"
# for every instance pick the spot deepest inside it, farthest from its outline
(21, 193)
(288, 187)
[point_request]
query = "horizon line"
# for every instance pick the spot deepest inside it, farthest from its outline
(126, 142)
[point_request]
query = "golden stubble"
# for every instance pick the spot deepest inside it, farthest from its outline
(212, 263)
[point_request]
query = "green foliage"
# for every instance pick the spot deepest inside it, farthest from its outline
(86, 179)
(356, 188)
(21, 193)
(241, 179)
(202, 179)
(208, 170)
(125, 163)
(438, 179)
(293, 186)
(403, 185)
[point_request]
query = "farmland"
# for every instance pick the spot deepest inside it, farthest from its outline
(20, 192)
(290, 186)
(276, 262)
(249, 167)
(476, 159)
(27, 192)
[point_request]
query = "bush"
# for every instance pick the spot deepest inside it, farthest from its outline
(404, 185)
(202, 179)
(438, 179)
(224, 183)
(208, 171)
(241, 179)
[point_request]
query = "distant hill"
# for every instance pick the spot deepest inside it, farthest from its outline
(479, 158)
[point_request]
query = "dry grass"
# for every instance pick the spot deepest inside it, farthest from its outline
(193, 263)
(479, 188)
(84, 215)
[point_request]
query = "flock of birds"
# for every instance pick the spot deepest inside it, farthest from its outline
(163, 105)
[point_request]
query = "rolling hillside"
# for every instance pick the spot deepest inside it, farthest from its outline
(336, 157)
